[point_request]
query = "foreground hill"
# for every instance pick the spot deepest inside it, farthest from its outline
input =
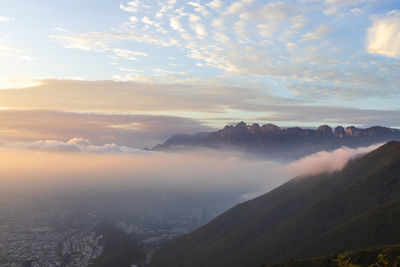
(286, 143)
(119, 248)
(307, 217)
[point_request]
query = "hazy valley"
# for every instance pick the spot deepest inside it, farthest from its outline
(201, 133)
(196, 195)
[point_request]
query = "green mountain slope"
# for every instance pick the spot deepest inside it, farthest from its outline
(387, 255)
(378, 226)
(278, 225)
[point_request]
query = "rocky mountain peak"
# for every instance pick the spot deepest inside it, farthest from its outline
(353, 131)
(271, 128)
(339, 132)
(241, 124)
(325, 130)
(275, 142)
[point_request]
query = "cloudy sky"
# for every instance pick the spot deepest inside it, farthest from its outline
(135, 72)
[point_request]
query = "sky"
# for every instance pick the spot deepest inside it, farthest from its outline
(136, 72)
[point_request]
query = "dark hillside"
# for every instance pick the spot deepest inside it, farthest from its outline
(119, 248)
(278, 225)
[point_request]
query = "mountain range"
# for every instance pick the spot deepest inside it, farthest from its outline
(357, 207)
(272, 141)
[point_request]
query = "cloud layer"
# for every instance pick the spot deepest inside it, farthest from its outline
(312, 44)
(196, 65)
(76, 145)
(327, 161)
(240, 59)
(129, 130)
(127, 97)
(106, 107)
(45, 165)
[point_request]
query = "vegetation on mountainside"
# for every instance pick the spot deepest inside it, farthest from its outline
(384, 256)
(307, 217)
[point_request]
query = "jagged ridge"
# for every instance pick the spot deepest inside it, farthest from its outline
(275, 142)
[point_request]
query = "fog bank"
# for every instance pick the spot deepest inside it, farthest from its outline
(78, 164)
(327, 161)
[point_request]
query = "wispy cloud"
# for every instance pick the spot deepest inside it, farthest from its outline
(128, 54)
(265, 41)
(327, 161)
(236, 58)
(132, 6)
(5, 19)
(317, 33)
(12, 51)
(128, 97)
(333, 7)
(135, 131)
(317, 163)
(384, 35)
(76, 145)
(197, 100)
(9, 50)
(100, 41)
(215, 4)
(60, 29)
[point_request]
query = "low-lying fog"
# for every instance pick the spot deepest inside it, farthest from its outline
(79, 165)
(64, 189)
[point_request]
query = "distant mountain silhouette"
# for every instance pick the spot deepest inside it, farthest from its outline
(319, 215)
(179, 141)
(272, 141)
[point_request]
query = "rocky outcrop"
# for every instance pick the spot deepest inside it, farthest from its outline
(339, 132)
(324, 130)
(271, 128)
(290, 143)
(353, 131)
